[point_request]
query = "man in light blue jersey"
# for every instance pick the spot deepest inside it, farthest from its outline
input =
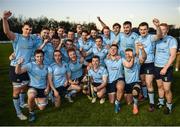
(71, 36)
(68, 44)
(93, 35)
(131, 72)
(23, 46)
(78, 31)
(99, 50)
(127, 38)
(86, 45)
(76, 70)
(115, 87)
(47, 46)
(110, 37)
(164, 58)
(59, 78)
(147, 69)
(99, 77)
(61, 32)
(38, 88)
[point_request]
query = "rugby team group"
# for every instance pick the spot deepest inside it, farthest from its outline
(56, 64)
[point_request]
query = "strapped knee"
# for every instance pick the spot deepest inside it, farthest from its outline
(135, 92)
(32, 91)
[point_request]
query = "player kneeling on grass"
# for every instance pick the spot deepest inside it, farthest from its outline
(76, 73)
(99, 76)
(131, 71)
(115, 86)
(59, 74)
(38, 88)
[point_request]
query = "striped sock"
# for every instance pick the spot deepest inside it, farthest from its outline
(151, 97)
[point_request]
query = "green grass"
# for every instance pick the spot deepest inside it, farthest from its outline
(82, 112)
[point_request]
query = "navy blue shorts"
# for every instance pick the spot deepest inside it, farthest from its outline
(147, 68)
(129, 87)
(111, 87)
(62, 90)
(96, 84)
(40, 92)
(17, 78)
(168, 77)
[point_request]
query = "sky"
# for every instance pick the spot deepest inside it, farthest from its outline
(110, 11)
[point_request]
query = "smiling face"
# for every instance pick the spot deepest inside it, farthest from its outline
(106, 32)
(164, 29)
(143, 30)
(39, 57)
(127, 28)
(95, 63)
(55, 42)
(26, 30)
(45, 34)
(72, 55)
(116, 29)
(98, 42)
(113, 51)
(84, 36)
(57, 56)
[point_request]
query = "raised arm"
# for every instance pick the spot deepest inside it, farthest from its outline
(158, 30)
(143, 56)
(43, 44)
(102, 23)
(6, 29)
(60, 44)
(19, 69)
(128, 63)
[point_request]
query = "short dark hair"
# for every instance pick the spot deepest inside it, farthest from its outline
(71, 30)
(38, 51)
(27, 23)
(69, 40)
(116, 24)
(45, 28)
(115, 46)
(127, 23)
(85, 31)
(96, 57)
(57, 51)
(129, 49)
(55, 36)
(71, 50)
(144, 24)
(60, 27)
(99, 37)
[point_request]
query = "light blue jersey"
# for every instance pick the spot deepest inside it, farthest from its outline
(112, 38)
(48, 53)
(132, 74)
(58, 72)
(163, 47)
(98, 75)
(102, 53)
(65, 56)
(23, 47)
(75, 69)
(127, 41)
(114, 68)
(87, 47)
(149, 47)
(37, 74)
